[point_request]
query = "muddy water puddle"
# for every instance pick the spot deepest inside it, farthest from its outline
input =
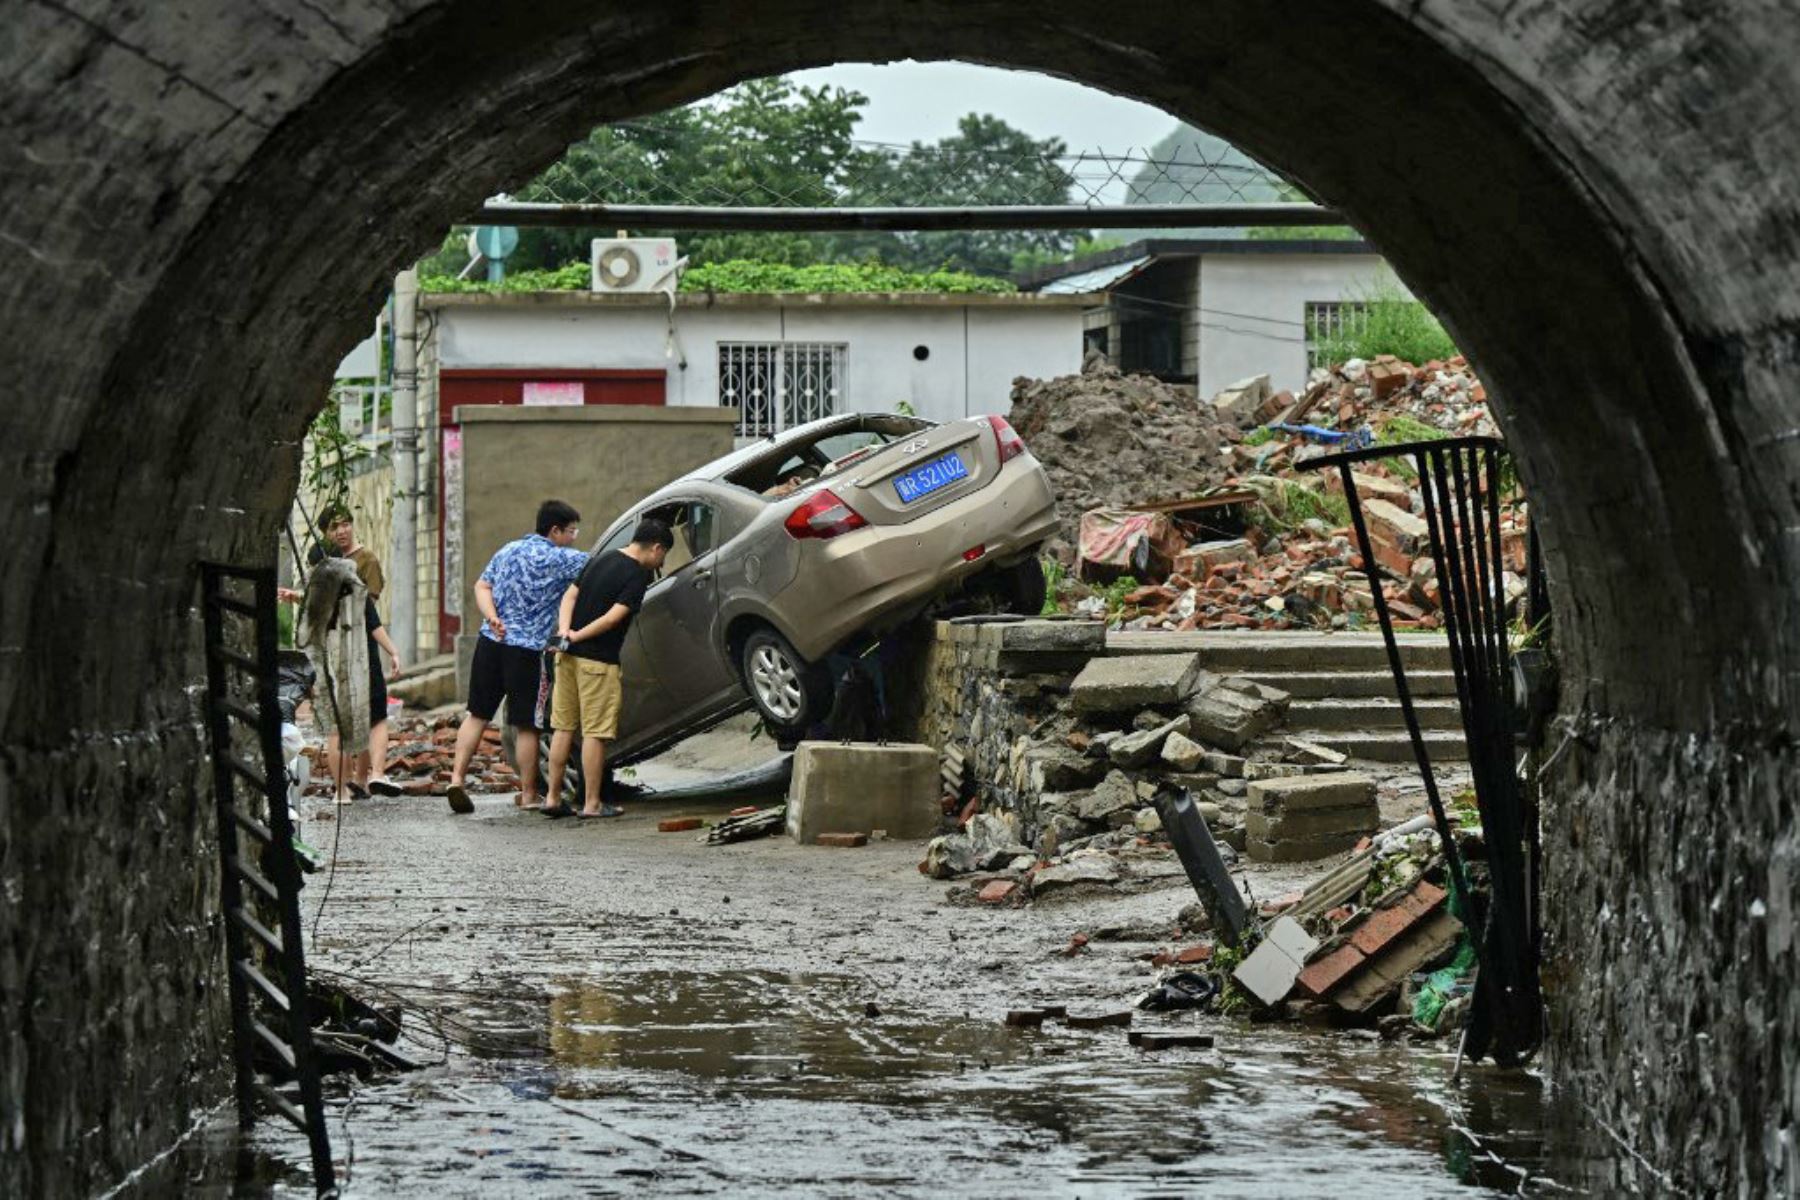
(757, 1083)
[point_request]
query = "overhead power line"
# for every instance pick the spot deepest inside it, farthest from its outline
(799, 219)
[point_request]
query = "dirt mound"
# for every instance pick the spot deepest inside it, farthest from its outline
(1110, 440)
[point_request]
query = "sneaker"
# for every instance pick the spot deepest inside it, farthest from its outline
(381, 785)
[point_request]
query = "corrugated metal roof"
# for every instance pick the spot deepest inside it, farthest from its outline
(1097, 280)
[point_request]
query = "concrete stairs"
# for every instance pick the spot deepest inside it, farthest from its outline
(1343, 693)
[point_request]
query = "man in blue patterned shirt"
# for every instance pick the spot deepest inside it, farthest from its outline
(518, 595)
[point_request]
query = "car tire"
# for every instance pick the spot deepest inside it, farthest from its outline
(1022, 588)
(788, 691)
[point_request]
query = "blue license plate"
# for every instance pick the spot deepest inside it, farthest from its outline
(933, 476)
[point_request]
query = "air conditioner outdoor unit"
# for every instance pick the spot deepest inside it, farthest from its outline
(634, 264)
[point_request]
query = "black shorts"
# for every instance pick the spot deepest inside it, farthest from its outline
(377, 686)
(510, 673)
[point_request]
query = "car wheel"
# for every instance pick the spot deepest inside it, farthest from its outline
(786, 689)
(1022, 588)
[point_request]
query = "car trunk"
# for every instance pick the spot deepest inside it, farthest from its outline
(919, 474)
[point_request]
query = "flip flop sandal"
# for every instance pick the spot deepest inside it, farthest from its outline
(384, 787)
(557, 810)
(611, 810)
(459, 799)
(357, 791)
(588, 816)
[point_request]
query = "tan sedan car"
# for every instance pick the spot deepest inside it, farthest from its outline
(809, 540)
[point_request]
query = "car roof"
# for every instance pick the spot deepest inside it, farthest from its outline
(721, 467)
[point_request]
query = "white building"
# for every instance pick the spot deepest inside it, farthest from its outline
(1214, 311)
(781, 359)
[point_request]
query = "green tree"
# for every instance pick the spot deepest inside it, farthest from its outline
(763, 142)
(986, 161)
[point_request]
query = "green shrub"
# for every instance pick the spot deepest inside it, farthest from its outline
(747, 275)
(1390, 323)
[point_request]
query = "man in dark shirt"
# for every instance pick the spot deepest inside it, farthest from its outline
(596, 612)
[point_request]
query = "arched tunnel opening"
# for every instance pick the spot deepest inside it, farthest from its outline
(207, 203)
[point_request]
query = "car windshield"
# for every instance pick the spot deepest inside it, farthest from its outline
(793, 464)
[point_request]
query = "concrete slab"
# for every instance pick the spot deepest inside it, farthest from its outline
(858, 787)
(1129, 684)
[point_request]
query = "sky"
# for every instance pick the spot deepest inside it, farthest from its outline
(912, 101)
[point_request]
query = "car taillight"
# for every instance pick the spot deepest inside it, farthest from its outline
(1010, 444)
(823, 515)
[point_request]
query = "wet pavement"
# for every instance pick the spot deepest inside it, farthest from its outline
(611, 1010)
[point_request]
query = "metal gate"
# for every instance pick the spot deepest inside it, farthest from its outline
(272, 1045)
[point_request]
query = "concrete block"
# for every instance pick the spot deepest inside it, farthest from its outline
(1141, 749)
(1288, 850)
(1182, 752)
(859, 787)
(1131, 682)
(1350, 823)
(1341, 789)
(1116, 793)
(1232, 713)
(1050, 637)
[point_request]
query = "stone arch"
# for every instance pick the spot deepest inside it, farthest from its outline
(205, 202)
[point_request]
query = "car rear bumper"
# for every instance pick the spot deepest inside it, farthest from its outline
(851, 581)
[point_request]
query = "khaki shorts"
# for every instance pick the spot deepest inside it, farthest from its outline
(587, 697)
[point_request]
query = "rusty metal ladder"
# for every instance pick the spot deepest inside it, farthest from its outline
(259, 872)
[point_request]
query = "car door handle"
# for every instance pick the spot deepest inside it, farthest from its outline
(701, 577)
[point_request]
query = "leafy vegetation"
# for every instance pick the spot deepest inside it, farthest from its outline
(1401, 429)
(744, 275)
(1390, 322)
(1114, 593)
(1259, 436)
(1304, 504)
(1054, 573)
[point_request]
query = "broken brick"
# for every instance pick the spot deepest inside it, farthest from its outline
(679, 824)
(843, 840)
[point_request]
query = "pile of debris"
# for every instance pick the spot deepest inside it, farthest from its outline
(1259, 544)
(1104, 437)
(1379, 940)
(1135, 731)
(422, 750)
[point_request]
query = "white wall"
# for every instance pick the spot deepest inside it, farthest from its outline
(974, 351)
(1253, 308)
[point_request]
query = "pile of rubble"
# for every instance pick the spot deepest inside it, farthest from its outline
(1103, 436)
(1261, 544)
(1135, 730)
(421, 751)
(1378, 940)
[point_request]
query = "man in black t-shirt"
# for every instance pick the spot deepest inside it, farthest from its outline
(596, 611)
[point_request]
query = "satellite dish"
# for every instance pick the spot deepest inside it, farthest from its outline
(494, 242)
(619, 266)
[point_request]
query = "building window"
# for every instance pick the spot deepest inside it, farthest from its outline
(1328, 321)
(776, 386)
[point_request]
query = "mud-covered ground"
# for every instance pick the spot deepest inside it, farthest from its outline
(613, 1010)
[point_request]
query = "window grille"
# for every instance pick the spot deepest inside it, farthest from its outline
(778, 385)
(1328, 321)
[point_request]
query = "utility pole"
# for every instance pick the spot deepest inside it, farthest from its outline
(403, 613)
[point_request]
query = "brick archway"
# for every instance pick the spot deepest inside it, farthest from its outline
(205, 202)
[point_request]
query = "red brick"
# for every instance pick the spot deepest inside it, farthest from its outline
(997, 892)
(1195, 954)
(1324, 974)
(679, 824)
(844, 840)
(745, 811)
(1383, 926)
